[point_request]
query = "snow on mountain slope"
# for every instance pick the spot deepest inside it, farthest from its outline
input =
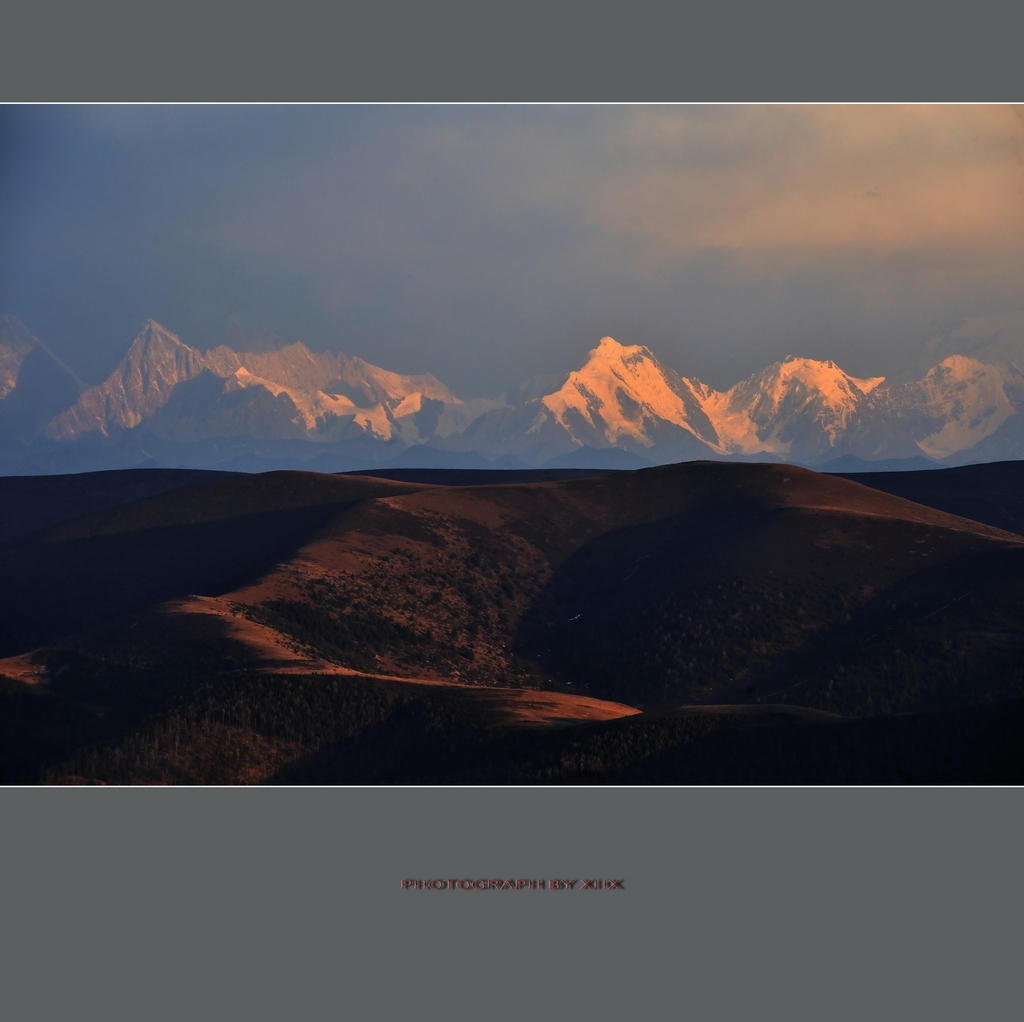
(333, 396)
(796, 407)
(383, 385)
(811, 411)
(15, 344)
(622, 397)
(958, 404)
(799, 409)
(300, 370)
(314, 407)
(155, 364)
(621, 392)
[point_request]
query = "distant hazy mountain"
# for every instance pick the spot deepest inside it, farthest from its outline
(621, 398)
(797, 410)
(817, 413)
(184, 395)
(170, 404)
(961, 410)
(34, 384)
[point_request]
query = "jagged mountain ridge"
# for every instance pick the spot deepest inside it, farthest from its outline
(798, 410)
(165, 395)
(179, 393)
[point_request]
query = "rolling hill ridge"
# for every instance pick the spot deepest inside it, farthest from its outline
(300, 626)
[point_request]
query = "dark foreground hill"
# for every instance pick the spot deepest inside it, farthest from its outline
(241, 727)
(32, 503)
(481, 476)
(351, 629)
(992, 493)
(203, 538)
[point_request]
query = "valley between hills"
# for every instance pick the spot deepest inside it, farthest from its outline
(694, 623)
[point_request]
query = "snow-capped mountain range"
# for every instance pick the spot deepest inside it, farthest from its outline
(177, 393)
(168, 403)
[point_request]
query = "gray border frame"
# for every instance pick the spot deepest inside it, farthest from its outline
(787, 52)
(284, 903)
(737, 903)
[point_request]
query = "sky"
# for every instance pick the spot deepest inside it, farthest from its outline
(491, 244)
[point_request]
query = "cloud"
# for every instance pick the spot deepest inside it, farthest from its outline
(489, 243)
(458, 200)
(798, 181)
(993, 338)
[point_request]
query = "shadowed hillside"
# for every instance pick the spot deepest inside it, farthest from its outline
(32, 503)
(992, 493)
(242, 727)
(201, 538)
(692, 583)
(481, 476)
(360, 630)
